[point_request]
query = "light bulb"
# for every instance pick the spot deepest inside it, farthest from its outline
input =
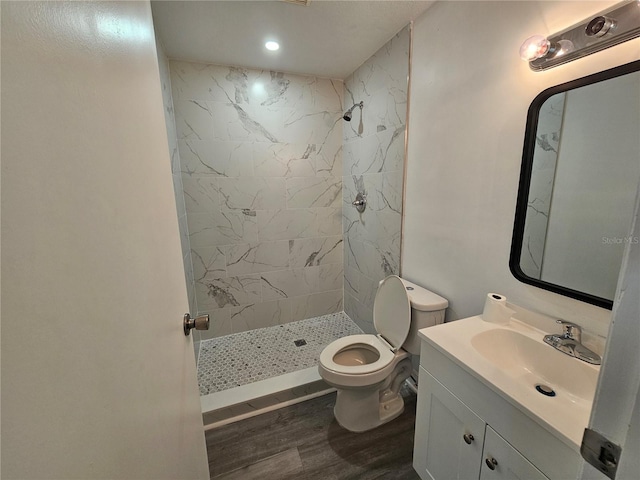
(271, 45)
(534, 47)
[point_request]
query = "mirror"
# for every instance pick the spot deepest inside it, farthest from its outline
(578, 182)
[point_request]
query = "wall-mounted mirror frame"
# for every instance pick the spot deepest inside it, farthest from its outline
(525, 183)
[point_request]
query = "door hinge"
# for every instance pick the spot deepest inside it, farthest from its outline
(597, 450)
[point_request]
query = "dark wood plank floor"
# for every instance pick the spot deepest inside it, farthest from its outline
(304, 441)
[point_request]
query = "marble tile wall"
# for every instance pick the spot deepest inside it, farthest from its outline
(167, 101)
(542, 180)
(261, 170)
(373, 159)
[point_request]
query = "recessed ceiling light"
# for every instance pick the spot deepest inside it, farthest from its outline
(273, 46)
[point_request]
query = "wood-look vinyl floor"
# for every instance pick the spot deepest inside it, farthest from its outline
(304, 441)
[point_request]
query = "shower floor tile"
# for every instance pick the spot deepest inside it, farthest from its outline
(247, 357)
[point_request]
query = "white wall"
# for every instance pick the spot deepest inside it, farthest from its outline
(469, 98)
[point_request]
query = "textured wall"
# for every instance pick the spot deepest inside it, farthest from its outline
(374, 150)
(261, 163)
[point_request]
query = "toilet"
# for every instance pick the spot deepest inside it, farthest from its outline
(368, 370)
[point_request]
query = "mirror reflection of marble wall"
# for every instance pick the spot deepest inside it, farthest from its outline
(583, 186)
(542, 176)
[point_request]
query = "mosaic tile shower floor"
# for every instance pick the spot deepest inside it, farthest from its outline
(247, 357)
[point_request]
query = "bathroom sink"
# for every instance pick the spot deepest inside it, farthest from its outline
(513, 360)
(532, 362)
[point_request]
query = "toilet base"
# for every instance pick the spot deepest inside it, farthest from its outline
(361, 420)
(362, 409)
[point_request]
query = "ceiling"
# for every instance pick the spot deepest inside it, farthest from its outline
(327, 38)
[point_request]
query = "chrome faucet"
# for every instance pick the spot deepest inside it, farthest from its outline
(571, 331)
(569, 342)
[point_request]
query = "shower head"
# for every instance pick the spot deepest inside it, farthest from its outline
(348, 114)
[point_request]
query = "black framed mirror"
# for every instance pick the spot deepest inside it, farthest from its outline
(578, 181)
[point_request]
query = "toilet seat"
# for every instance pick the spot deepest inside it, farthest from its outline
(386, 356)
(392, 320)
(392, 311)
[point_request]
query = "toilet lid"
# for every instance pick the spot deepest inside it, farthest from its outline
(392, 311)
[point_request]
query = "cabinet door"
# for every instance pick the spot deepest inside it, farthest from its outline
(449, 436)
(503, 462)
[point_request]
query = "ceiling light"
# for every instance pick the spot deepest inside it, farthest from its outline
(273, 46)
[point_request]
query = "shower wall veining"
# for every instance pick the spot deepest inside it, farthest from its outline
(260, 160)
(374, 152)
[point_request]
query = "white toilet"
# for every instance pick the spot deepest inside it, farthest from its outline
(368, 370)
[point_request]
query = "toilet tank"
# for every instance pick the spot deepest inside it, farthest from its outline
(427, 309)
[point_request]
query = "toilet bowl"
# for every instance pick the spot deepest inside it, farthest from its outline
(368, 370)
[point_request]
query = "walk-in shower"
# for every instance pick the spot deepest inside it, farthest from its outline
(274, 252)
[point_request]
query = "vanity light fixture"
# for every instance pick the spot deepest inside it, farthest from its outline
(610, 27)
(271, 45)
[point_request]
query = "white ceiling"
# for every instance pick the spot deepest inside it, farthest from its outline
(327, 38)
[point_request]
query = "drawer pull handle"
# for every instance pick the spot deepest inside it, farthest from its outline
(491, 463)
(468, 438)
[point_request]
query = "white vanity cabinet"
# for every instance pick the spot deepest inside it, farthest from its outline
(464, 428)
(453, 442)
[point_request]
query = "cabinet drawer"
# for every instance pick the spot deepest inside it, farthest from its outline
(503, 462)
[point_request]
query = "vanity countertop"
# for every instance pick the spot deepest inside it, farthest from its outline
(511, 359)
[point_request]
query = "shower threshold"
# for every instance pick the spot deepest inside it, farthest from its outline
(249, 373)
(246, 401)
